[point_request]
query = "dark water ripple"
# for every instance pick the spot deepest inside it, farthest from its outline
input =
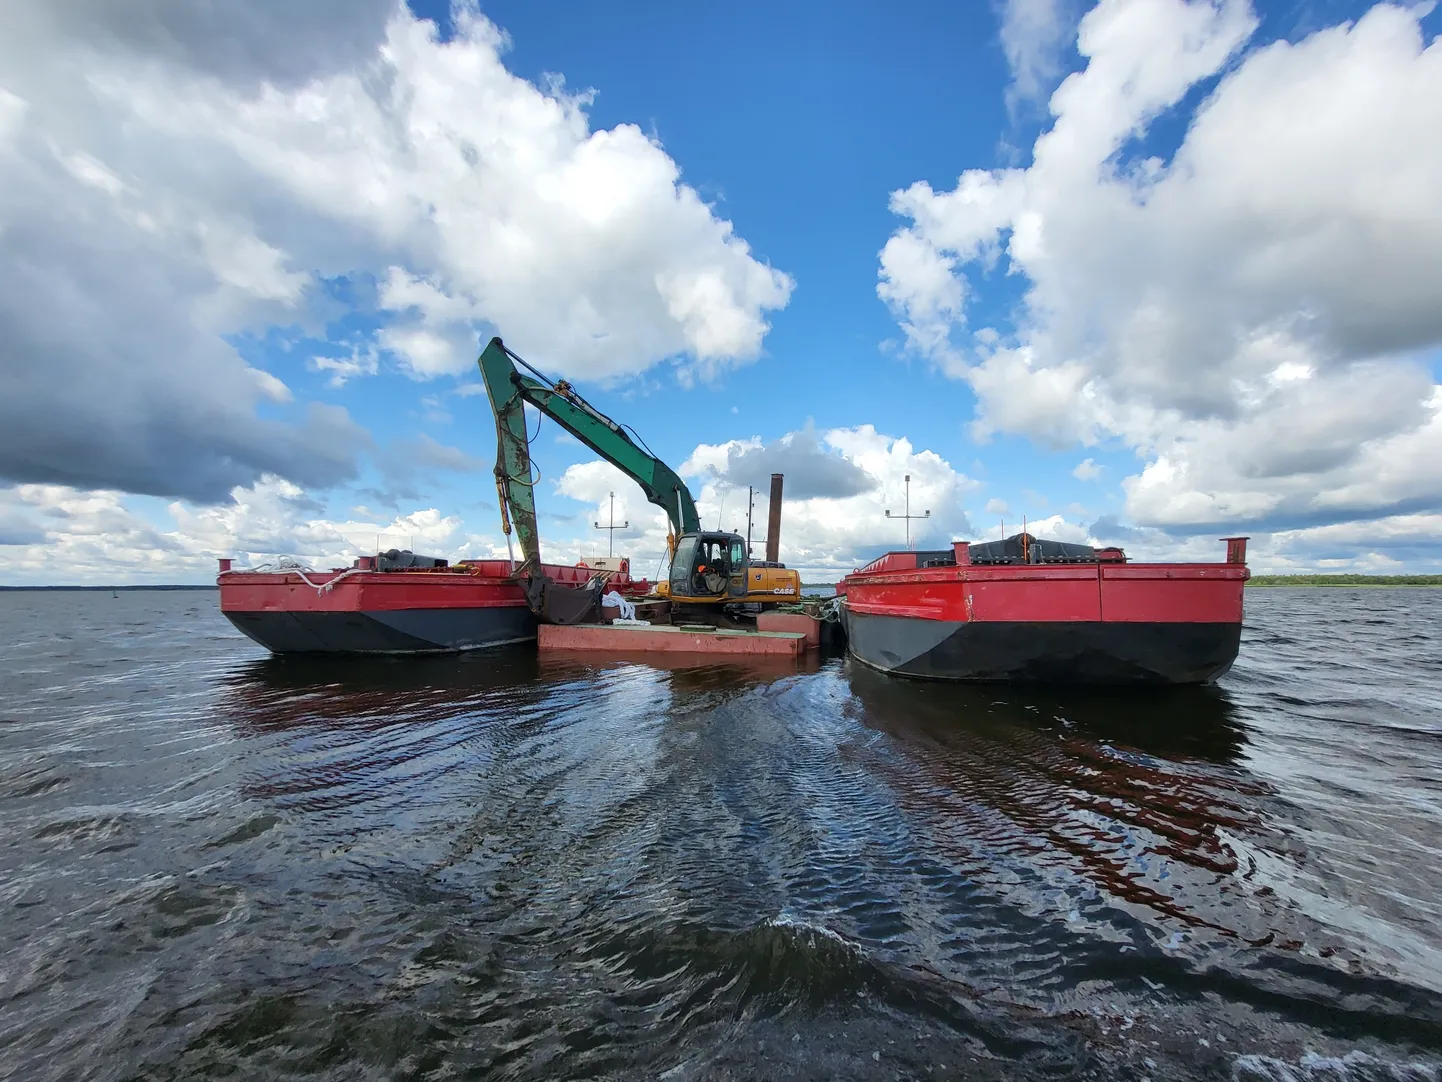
(217, 864)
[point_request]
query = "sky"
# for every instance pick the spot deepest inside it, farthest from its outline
(1139, 272)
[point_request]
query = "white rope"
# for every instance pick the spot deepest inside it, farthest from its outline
(285, 565)
(331, 585)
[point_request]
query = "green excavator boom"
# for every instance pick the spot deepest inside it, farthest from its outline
(509, 391)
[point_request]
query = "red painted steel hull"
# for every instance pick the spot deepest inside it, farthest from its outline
(363, 611)
(1104, 622)
(622, 640)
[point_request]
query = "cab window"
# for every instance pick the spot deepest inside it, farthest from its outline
(681, 563)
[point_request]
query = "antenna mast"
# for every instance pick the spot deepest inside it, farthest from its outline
(750, 507)
(612, 528)
(909, 516)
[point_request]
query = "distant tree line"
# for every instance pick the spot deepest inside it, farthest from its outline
(1345, 580)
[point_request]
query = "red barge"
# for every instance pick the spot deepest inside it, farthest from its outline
(1024, 609)
(396, 603)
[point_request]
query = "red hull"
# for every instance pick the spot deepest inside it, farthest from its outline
(1105, 620)
(362, 610)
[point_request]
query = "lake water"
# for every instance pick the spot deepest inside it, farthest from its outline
(218, 864)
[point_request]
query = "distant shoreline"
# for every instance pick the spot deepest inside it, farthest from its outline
(111, 588)
(1345, 580)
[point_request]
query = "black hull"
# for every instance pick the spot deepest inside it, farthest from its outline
(402, 631)
(1051, 653)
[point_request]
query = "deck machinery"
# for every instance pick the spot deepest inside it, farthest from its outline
(708, 569)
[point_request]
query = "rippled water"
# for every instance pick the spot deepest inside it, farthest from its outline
(219, 864)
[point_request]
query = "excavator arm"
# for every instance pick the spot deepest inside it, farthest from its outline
(513, 451)
(509, 391)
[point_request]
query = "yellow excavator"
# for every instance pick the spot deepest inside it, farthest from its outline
(706, 568)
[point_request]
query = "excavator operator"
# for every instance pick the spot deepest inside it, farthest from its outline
(712, 569)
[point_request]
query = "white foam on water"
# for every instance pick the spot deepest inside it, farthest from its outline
(790, 920)
(1355, 1066)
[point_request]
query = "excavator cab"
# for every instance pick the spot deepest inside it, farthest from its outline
(709, 567)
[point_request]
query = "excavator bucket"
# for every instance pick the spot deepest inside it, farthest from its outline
(556, 603)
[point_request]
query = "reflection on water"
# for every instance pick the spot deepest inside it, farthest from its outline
(499, 865)
(1118, 789)
(273, 692)
(1183, 722)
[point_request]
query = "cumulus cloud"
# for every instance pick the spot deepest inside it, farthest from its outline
(265, 41)
(57, 534)
(1086, 470)
(811, 468)
(1254, 314)
(111, 374)
(19, 528)
(61, 534)
(828, 527)
(175, 175)
(1109, 529)
(497, 204)
(593, 483)
(828, 532)
(94, 536)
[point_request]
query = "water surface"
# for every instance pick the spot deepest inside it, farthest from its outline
(219, 864)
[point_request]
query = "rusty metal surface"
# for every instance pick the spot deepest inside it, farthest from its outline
(773, 522)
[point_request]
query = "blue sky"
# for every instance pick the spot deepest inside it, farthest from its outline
(796, 126)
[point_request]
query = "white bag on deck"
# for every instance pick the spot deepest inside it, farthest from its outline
(612, 600)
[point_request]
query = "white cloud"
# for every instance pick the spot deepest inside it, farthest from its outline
(823, 535)
(1252, 316)
(809, 465)
(1358, 444)
(1086, 470)
(363, 361)
(919, 265)
(592, 483)
(830, 534)
(56, 534)
(1033, 35)
(1057, 404)
(270, 387)
(240, 259)
(436, 335)
(174, 175)
(495, 204)
(88, 171)
(274, 518)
